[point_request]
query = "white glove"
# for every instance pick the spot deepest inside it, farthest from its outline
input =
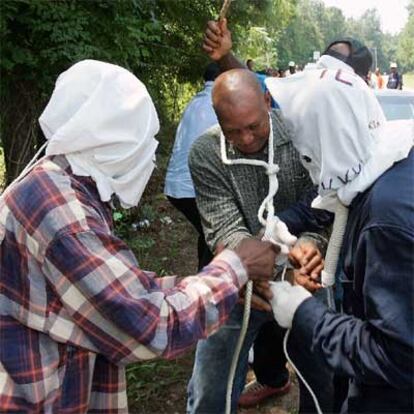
(286, 299)
(277, 233)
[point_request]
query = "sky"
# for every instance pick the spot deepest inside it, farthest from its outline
(393, 13)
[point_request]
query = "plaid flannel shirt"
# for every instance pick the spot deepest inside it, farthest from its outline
(74, 305)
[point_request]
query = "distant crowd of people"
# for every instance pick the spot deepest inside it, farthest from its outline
(394, 79)
(374, 79)
(275, 72)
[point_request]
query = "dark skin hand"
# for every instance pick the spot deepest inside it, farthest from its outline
(260, 297)
(307, 260)
(308, 263)
(257, 257)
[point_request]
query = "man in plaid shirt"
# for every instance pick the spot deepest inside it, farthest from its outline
(74, 305)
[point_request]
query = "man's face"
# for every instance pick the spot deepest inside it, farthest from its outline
(246, 126)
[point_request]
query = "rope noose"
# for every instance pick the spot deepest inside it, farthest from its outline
(266, 206)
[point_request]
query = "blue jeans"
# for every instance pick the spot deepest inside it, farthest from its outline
(207, 386)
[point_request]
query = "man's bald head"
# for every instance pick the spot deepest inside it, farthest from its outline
(235, 87)
(242, 109)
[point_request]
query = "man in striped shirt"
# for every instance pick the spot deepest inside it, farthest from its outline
(75, 307)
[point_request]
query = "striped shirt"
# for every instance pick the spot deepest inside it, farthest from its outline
(74, 305)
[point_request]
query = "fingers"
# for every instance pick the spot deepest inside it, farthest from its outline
(294, 259)
(315, 274)
(257, 257)
(262, 287)
(216, 27)
(223, 26)
(309, 253)
(308, 283)
(258, 303)
(306, 256)
(211, 39)
(315, 262)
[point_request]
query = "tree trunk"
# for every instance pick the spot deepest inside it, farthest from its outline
(20, 130)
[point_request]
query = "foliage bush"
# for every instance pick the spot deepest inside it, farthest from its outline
(158, 40)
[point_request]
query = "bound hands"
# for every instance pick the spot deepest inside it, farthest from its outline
(286, 298)
(308, 263)
(305, 256)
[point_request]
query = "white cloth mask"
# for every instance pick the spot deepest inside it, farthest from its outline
(101, 117)
(339, 129)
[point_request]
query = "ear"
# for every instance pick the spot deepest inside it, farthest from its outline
(268, 100)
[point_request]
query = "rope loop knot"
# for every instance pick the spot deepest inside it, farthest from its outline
(272, 169)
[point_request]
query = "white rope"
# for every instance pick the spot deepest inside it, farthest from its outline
(266, 206)
(328, 280)
(331, 260)
(315, 399)
(332, 253)
(245, 324)
(271, 170)
(335, 244)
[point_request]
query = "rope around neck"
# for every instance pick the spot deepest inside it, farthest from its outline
(331, 259)
(266, 206)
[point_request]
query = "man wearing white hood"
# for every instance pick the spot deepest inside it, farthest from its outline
(364, 167)
(74, 305)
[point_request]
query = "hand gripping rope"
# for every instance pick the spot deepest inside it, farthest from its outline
(267, 205)
(331, 259)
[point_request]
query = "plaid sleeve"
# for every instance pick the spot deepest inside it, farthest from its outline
(123, 310)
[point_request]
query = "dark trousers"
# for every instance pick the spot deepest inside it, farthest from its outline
(188, 207)
(269, 363)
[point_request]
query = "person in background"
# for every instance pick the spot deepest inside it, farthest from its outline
(75, 306)
(395, 80)
(291, 68)
(380, 79)
(198, 116)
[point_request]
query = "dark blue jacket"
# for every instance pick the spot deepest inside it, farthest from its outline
(373, 343)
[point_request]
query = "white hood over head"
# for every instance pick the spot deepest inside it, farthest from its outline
(101, 117)
(339, 129)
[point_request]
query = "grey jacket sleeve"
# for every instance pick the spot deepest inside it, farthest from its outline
(220, 215)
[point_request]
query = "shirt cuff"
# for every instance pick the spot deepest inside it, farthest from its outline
(231, 262)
